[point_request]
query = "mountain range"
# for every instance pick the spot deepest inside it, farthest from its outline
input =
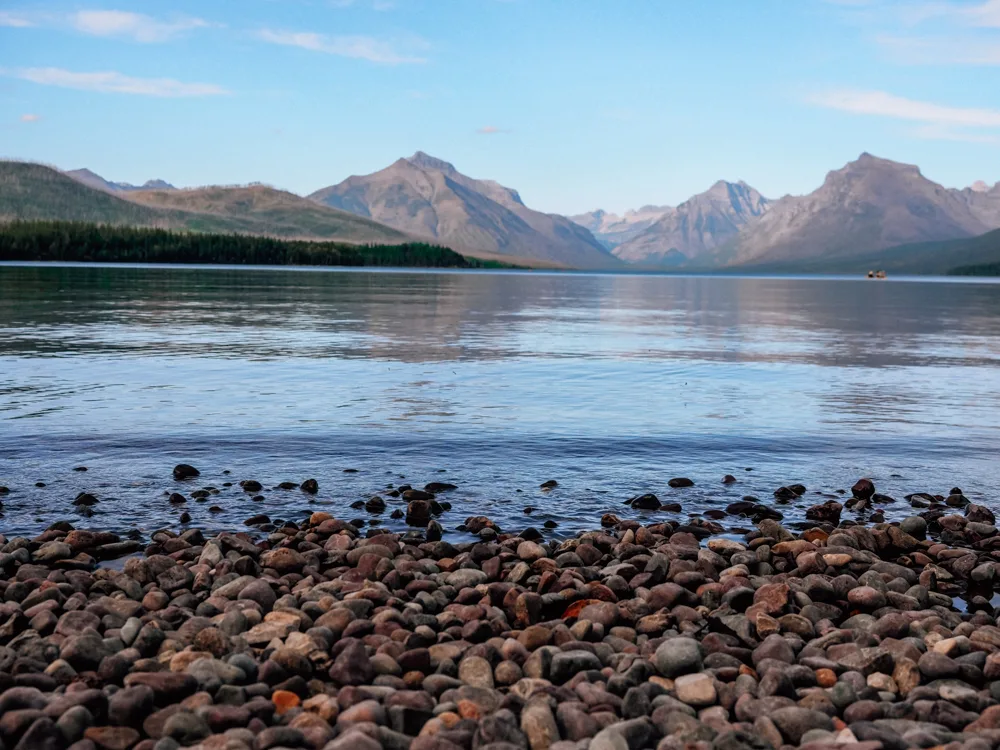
(612, 230)
(871, 210)
(96, 181)
(686, 235)
(867, 206)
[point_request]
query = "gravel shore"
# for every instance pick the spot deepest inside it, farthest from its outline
(324, 634)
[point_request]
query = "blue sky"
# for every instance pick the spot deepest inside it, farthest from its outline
(578, 104)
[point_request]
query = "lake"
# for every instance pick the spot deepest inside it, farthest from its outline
(493, 381)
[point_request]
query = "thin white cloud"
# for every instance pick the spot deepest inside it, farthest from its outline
(929, 32)
(985, 15)
(107, 23)
(13, 20)
(883, 104)
(942, 133)
(912, 13)
(491, 130)
(373, 4)
(982, 14)
(30, 118)
(110, 82)
(135, 26)
(953, 50)
(356, 47)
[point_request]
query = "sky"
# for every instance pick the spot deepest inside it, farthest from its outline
(577, 104)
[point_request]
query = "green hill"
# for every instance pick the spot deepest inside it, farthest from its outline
(32, 192)
(980, 269)
(971, 256)
(938, 257)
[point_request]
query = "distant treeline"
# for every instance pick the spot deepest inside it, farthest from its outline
(982, 269)
(104, 243)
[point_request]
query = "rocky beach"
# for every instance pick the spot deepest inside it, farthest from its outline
(686, 441)
(325, 634)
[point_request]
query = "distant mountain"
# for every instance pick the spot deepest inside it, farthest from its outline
(147, 185)
(429, 198)
(984, 202)
(35, 192)
(868, 205)
(688, 234)
(592, 221)
(612, 230)
(94, 180)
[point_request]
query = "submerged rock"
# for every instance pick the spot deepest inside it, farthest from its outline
(645, 502)
(863, 489)
(185, 471)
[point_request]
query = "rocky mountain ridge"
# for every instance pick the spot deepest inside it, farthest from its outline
(697, 227)
(869, 204)
(428, 197)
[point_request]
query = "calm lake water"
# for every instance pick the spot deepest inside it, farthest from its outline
(496, 382)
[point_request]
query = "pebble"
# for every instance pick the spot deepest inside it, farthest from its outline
(696, 690)
(655, 634)
(677, 656)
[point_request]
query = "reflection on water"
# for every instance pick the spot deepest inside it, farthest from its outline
(612, 384)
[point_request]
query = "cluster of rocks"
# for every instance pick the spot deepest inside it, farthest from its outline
(325, 635)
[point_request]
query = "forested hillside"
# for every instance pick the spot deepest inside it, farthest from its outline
(67, 241)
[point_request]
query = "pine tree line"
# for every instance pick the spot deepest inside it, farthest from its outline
(105, 243)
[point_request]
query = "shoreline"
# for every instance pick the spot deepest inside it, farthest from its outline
(326, 635)
(514, 270)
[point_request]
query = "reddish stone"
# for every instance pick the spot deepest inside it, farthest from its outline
(573, 610)
(284, 700)
(599, 591)
(112, 738)
(826, 678)
(988, 719)
(772, 598)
